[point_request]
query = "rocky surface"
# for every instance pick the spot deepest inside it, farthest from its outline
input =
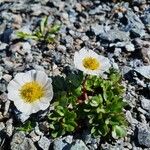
(119, 31)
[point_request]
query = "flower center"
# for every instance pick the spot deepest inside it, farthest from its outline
(31, 91)
(91, 63)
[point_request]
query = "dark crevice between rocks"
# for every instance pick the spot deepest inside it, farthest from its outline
(6, 139)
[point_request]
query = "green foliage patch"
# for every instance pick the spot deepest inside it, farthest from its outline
(93, 100)
(27, 126)
(44, 33)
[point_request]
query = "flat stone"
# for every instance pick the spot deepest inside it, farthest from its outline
(7, 77)
(20, 142)
(59, 144)
(144, 135)
(129, 47)
(3, 46)
(144, 71)
(44, 143)
(115, 34)
(2, 126)
(78, 145)
(145, 104)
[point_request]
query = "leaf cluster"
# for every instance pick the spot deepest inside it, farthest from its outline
(104, 108)
(27, 126)
(63, 118)
(102, 111)
(43, 33)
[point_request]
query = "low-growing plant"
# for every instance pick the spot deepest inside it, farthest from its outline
(62, 120)
(27, 126)
(44, 33)
(104, 106)
(92, 100)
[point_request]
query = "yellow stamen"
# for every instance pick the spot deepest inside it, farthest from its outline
(91, 63)
(31, 91)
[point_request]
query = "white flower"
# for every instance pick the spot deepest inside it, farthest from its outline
(31, 91)
(90, 62)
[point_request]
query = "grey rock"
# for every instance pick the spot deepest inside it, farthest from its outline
(44, 143)
(144, 135)
(2, 87)
(8, 64)
(135, 24)
(29, 58)
(145, 49)
(78, 145)
(61, 48)
(59, 144)
(36, 9)
(139, 1)
(69, 40)
(20, 6)
(145, 103)
(119, 44)
(136, 63)
(2, 126)
(140, 82)
(3, 46)
(144, 71)
(117, 51)
(23, 117)
(90, 141)
(22, 48)
(98, 29)
(7, 104)
(38, 67)
(115, 34)
(130, 47)
(9, 127)
(26, 47)
(85, 38)
(43, 2)
(146, 17)
(72, 15)
(130, 119)
(5, 37)
(17, 139)
(1, 72)
(126, 69)
(7, 77)
(2, 27)
(20, 142)
(96, 10)
(69, 139)
(34, 137)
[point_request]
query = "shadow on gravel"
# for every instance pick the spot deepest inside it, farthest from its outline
(5, 141)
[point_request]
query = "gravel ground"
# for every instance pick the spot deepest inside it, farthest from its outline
(119, 31)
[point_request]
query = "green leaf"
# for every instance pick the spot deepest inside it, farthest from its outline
(74, 80)
(100, 110)
(87, 110)
(118, 131)
(23, 35)
(60, 110)
(27, 126)
(54, 29)
(96, 100)
(114, 75)
(43, 24)
(93, 130)
(69, 128)
(52, 126)
(103, 129)
(54, 134)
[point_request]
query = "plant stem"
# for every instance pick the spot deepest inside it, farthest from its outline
(83, 96)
